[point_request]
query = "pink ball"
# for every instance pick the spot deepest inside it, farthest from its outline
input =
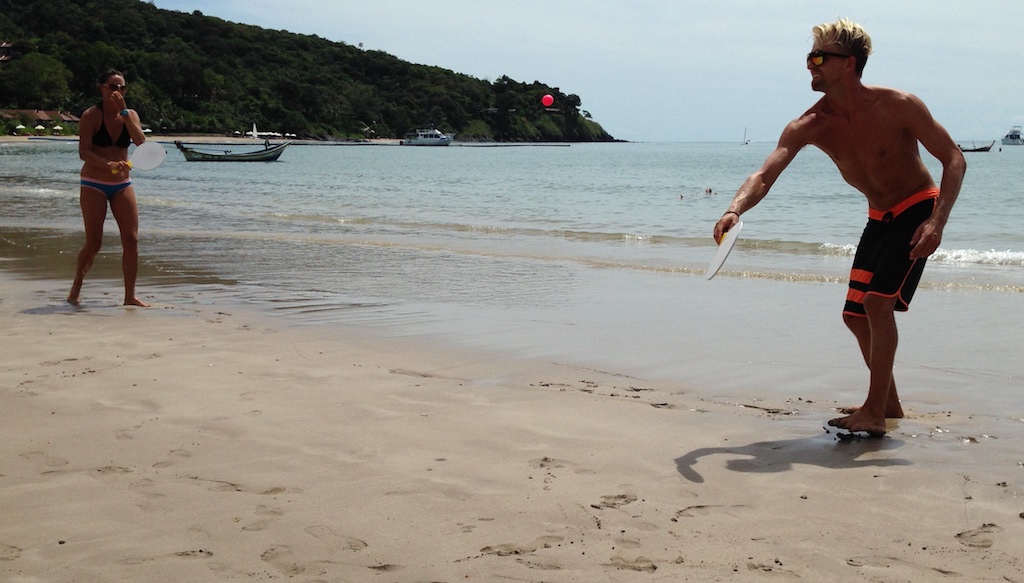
(547, 100)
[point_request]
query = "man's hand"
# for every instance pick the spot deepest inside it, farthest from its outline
(726, 223)
(926, 240)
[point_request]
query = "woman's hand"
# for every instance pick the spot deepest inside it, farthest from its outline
(119, 166)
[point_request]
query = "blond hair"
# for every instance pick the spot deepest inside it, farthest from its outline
(849, 35)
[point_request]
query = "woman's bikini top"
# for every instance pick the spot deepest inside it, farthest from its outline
(102, 137)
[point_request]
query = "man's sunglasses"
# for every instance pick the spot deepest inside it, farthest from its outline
(116, 87)
(818, 57)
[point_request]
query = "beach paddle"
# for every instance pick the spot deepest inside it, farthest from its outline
(148, 156)
(728, 241)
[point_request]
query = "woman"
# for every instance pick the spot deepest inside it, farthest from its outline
(105, 132)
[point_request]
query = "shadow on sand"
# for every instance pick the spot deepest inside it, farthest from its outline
(780, 456)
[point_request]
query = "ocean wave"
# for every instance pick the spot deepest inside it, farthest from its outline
(785, 247)
(947, 256)
(979, 257)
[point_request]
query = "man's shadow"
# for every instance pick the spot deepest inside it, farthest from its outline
(780, 456)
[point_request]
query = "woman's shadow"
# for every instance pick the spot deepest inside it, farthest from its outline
(780, 456)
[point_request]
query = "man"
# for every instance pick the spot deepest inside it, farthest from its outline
(872, 135)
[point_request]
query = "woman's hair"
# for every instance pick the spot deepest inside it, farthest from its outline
(847, 34)
(108, 74)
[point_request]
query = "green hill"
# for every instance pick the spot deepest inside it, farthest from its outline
(190, 73)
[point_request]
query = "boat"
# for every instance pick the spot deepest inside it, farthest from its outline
(427, 137)
(1013, 138)
(269, 153)
(974, 148)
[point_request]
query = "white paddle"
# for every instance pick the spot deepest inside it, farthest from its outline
(728, 241)
(148, 156)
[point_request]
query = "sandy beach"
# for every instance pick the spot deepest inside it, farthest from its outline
(209, 443)
(642, 427)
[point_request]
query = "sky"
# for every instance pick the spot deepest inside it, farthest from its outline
(685, 70)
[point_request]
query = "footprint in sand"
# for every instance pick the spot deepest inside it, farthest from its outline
(548, 465)
(282, 557)
(614, 501)
(267, 515)
(196, 554)
(114, 470)
(257, 525)
(706, 510)
(539, 564)
(979, 537)
(226, 486)
(508, 549)
(9, 553)
(327, 536)
(149, 498)
(44, 459)
(127, 433)
(627, 543)
(638, 564)
(174, 456)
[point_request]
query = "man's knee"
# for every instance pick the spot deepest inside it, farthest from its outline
(854, 321)
(876, 305)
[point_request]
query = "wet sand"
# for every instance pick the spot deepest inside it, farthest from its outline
(204, 439)
(210, 442)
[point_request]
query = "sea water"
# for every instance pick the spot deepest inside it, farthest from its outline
(589, 252)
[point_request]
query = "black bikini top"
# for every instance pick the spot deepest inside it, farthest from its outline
(102, 137)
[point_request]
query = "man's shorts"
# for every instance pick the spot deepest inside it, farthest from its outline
(882, 265)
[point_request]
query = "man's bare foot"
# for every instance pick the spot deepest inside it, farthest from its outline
(76, 290)
(860, 421)
(134, 301)
(891, 411)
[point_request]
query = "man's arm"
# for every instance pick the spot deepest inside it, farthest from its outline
(937, 141)
(757, 185)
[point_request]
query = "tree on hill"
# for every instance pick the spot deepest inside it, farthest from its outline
(194, 73)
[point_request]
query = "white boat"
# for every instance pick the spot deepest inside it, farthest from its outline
(427, 137)
(1013, 138)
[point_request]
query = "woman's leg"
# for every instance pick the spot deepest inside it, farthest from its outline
(126, 212)
(94, 213)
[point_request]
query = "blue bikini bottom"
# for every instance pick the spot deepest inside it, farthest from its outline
(107, 188)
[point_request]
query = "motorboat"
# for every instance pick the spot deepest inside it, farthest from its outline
(1013, 138)
(427, 137)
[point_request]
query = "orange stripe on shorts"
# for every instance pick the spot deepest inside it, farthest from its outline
(907, 203)
(860, 276)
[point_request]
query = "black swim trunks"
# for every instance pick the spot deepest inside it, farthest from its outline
(882, 264)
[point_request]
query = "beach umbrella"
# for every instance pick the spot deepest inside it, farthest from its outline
(57, 128)
(19, 127)
(40, 127)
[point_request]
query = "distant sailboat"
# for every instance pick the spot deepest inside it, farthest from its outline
(745, 140)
